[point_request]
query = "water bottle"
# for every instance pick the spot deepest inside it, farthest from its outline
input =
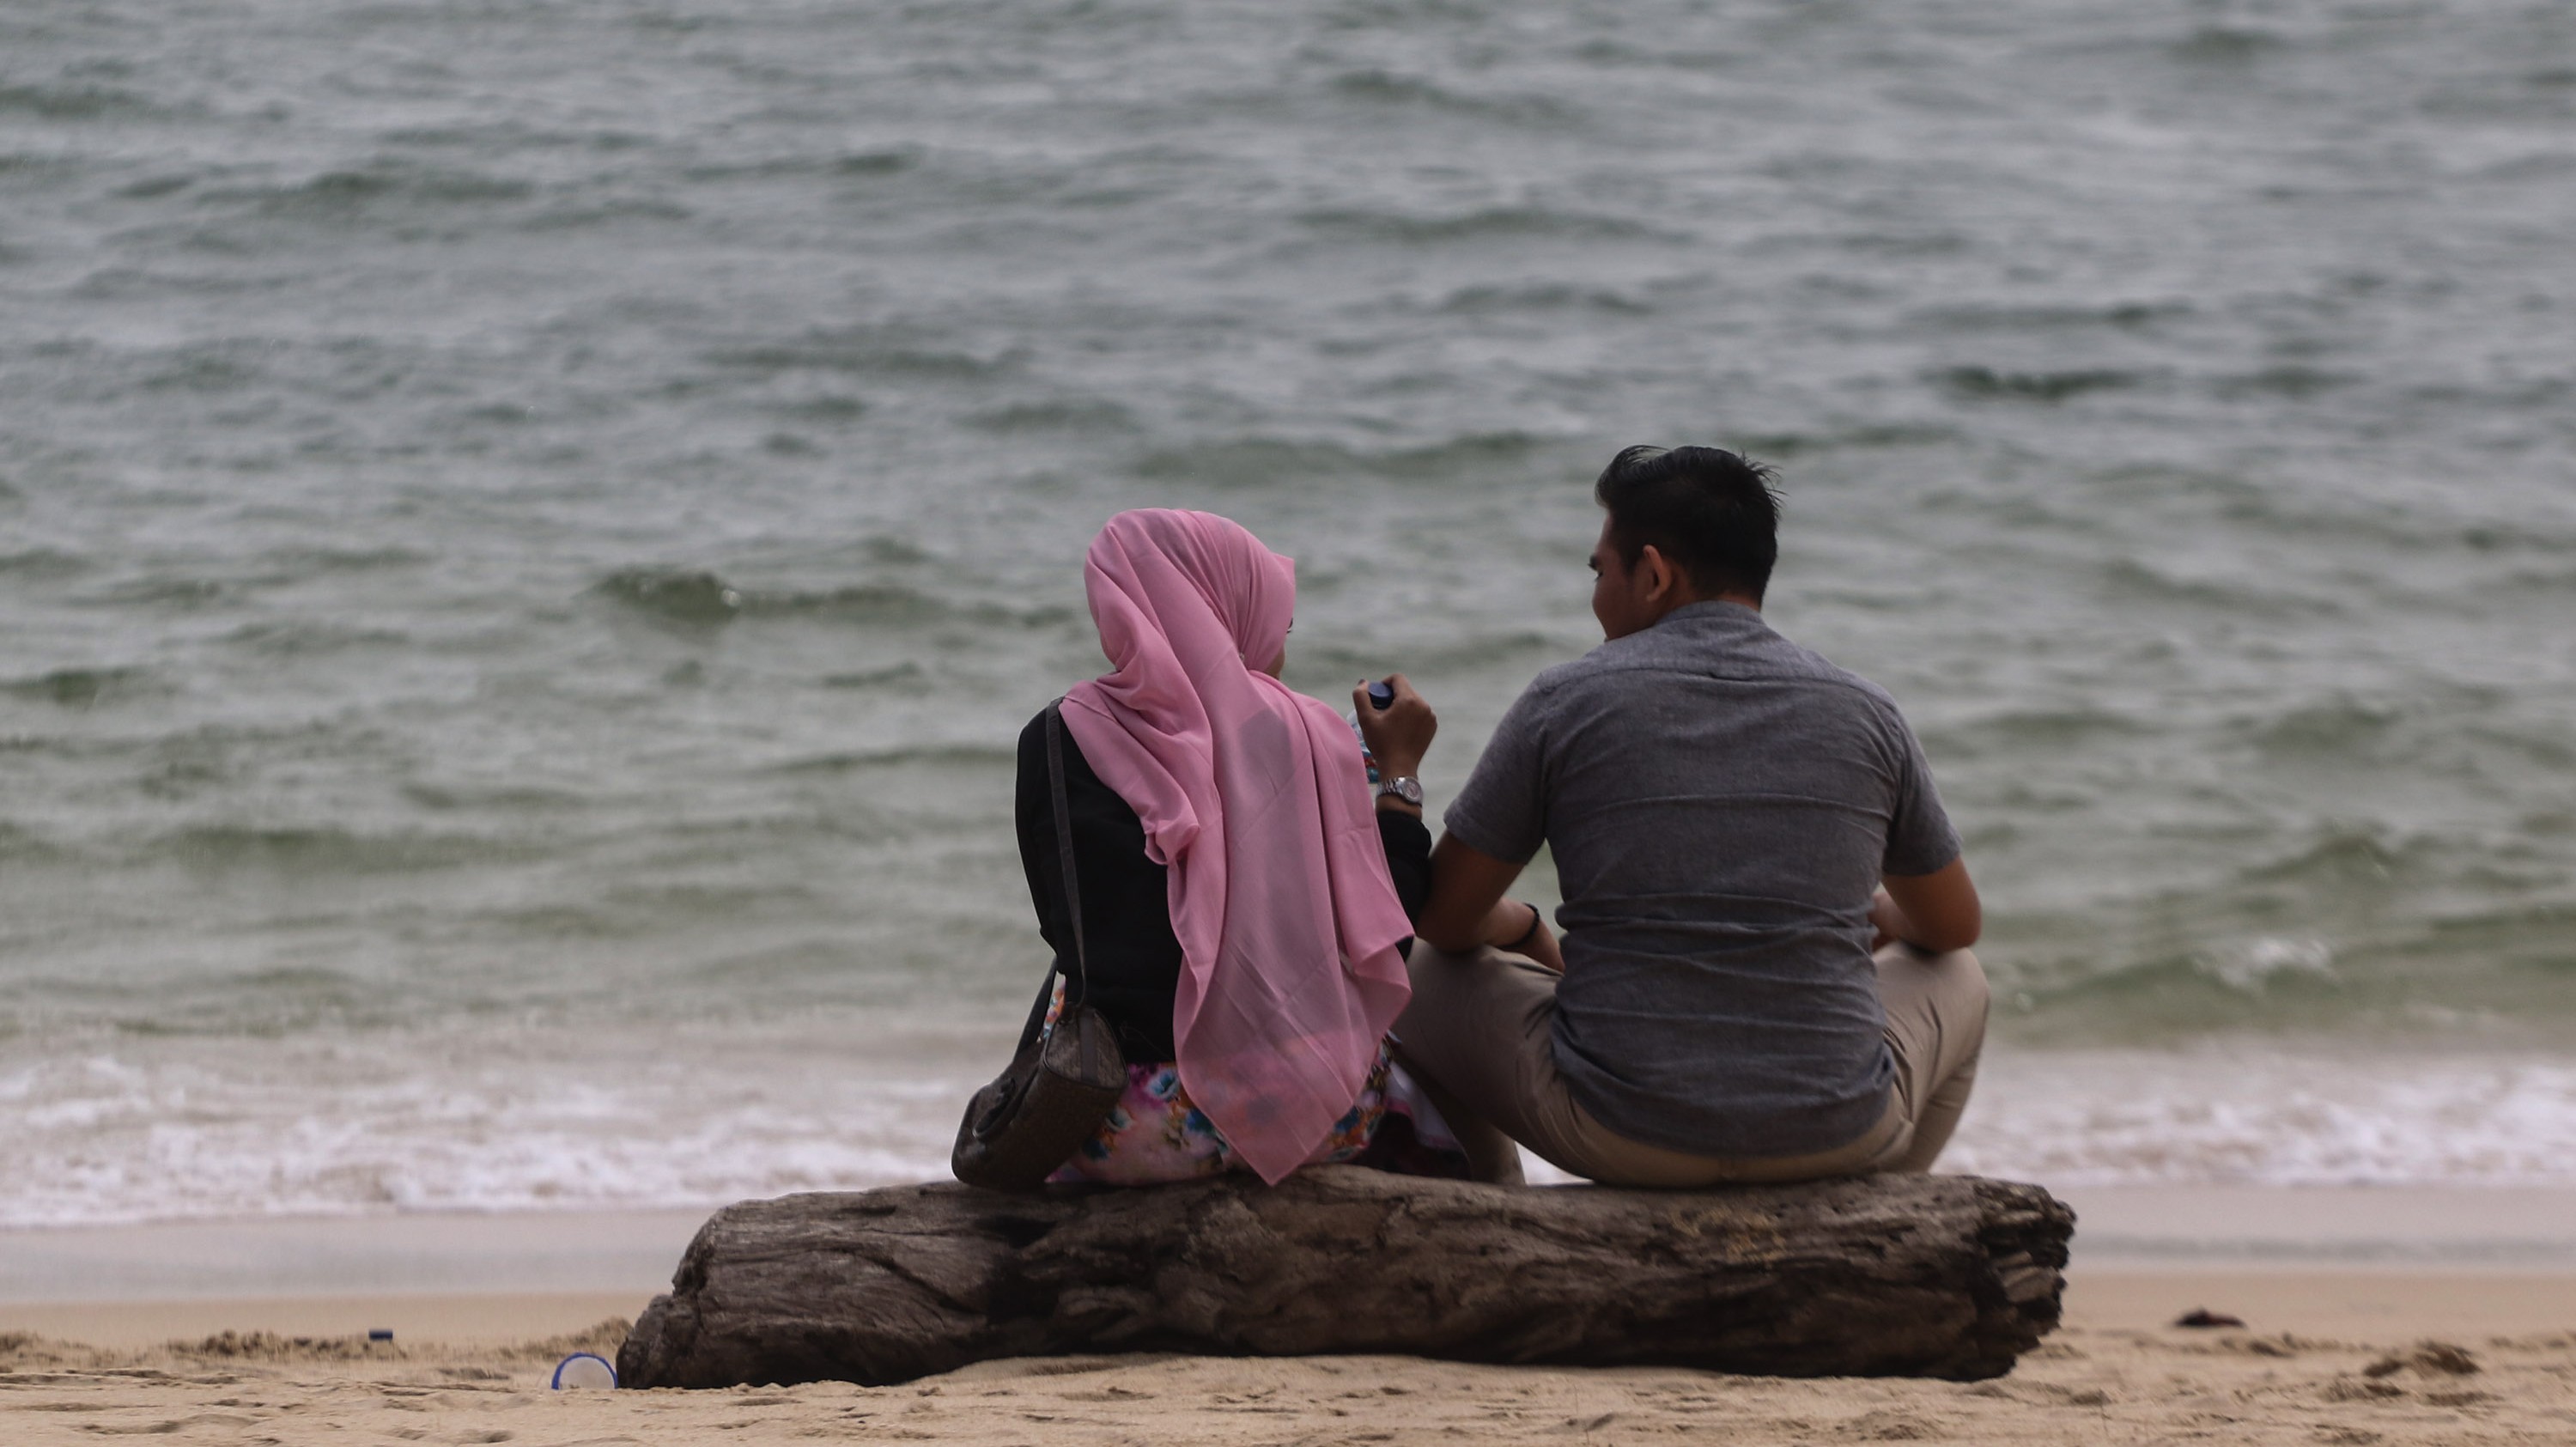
(1381, 694)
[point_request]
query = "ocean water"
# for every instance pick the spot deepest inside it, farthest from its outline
(528, 528)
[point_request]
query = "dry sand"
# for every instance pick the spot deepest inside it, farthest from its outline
(2331, 1357)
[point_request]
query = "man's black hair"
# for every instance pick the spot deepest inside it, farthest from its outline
(1710, 512)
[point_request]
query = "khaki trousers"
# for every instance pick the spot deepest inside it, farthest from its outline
(1480, 1035)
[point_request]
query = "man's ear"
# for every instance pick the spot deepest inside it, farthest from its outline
(1656, 572)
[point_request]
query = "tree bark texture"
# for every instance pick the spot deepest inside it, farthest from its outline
(1943, 1276)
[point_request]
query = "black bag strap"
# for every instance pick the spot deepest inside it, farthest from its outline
(1064, 843)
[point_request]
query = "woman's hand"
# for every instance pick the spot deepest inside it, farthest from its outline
(1398, 734)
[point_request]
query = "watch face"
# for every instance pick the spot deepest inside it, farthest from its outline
(1409, 790)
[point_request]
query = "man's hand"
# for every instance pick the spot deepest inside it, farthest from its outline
(1883, 917)
(1399, 735)
(1521, 927)
(1936, 912)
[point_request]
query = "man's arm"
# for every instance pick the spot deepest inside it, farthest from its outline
(1467, 907)
(1502, 800)
(1938, 912)
(1466, 885)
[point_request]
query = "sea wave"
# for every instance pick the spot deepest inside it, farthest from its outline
(387, 185)
(2266, 1113)
(697, 596)
(1259, 461)
(862, 351)
(514, 1118)
(80, 687)
(308, 851)
(1987, 384)
(1488, 224)
(41, 564)
(1394, 89)
(509, 1120)
(78, 102)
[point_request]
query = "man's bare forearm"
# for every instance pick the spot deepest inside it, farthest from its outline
(1938, 912)
(1466, 884)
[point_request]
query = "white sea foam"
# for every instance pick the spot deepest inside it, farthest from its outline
(2250, 967)
(522, 1119)
(503, 1120)
(2265, 1115)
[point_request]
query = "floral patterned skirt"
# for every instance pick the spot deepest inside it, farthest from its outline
(1155, 1134)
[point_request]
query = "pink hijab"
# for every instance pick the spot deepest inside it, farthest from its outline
(1255, 799)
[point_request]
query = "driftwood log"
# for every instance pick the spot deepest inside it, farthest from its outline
(1944, 1276)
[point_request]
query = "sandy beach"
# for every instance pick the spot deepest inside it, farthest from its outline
(2387, 1316)
(2350, 1356)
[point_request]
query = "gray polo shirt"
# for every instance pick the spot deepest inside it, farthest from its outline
(1721, 804)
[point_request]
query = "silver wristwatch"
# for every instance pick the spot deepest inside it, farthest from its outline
(1409, 790)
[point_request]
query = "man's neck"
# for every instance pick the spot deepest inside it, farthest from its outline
(1740, 600)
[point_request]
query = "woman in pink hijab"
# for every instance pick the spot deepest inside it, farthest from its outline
(1246, 898)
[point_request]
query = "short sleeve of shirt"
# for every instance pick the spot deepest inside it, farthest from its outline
(1920, 839)
(1503, 809)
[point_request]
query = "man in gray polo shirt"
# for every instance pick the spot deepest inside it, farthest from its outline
(1766, 920)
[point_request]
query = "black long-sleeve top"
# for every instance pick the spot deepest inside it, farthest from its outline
(1135, 959)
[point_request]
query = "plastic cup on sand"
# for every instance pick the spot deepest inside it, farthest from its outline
(585, 1370)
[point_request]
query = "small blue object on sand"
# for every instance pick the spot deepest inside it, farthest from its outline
(380, 1333)
(583, 1369)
